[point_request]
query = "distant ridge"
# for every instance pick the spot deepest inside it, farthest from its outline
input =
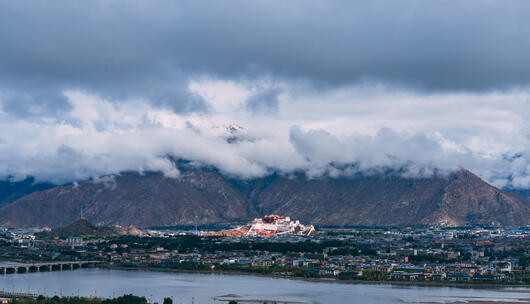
(205, 196)
(11, 191)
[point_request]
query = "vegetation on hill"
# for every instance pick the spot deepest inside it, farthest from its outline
(78, 228)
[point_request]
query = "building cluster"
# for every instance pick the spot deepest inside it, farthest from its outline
(465, 254)
(267, 226)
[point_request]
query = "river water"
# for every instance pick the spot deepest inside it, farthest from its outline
(204, 288)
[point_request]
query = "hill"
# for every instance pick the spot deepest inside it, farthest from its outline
(204, 196)
(84, 227)
(79, 228)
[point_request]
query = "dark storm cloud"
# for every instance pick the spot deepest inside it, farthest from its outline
(102, 47)
(265, 101)
(89, 88)
(32, 100)
(123, 49)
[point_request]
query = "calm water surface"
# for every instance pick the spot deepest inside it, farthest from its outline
(205, 287)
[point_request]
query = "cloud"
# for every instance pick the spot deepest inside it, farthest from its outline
(265, 101)
(99, 87)
(100, 137)
(138, 49)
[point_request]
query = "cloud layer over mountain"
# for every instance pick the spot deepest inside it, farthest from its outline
(92, 88)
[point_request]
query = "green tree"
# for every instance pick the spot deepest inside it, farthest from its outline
(168, 301)
(373, 275)
(523, 261)
(126, 299)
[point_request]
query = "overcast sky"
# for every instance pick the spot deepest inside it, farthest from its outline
(89, 88)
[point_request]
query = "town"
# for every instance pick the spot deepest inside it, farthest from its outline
(482, 255)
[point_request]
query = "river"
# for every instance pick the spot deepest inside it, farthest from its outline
(203, 288)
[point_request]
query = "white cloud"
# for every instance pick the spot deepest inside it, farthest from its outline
(370, 126)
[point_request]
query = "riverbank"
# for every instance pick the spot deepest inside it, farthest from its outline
(203, 287)
(479, 285)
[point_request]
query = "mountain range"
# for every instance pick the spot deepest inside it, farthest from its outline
(205, 196)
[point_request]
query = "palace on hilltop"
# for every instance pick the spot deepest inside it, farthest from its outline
(267, 226)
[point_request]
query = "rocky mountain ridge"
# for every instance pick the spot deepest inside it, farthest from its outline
(205, 196)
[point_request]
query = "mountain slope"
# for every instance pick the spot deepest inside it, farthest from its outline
(11, 191)
(202, 196)
(141, 200)
(458, 199)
